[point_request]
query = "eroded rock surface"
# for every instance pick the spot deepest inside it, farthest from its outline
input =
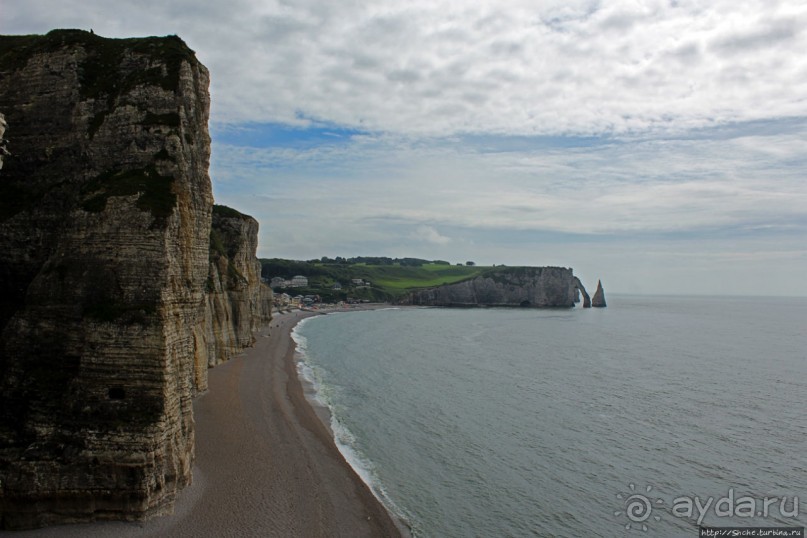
(105, 209)
(237, 302)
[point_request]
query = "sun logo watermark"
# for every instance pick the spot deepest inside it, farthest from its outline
(638, 507)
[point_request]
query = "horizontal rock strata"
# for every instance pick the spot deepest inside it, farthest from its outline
(237, 302)
(105, 209)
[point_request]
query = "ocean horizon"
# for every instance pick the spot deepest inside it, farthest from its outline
(657, 414)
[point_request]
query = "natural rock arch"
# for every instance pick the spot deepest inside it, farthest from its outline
(579, 286)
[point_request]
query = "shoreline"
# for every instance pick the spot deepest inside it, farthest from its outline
(266, 464)
(322, 414)
(325, 415)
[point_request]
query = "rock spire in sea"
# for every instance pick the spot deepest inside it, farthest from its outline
(598, 301)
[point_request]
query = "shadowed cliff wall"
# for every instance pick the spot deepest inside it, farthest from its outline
(105, 208)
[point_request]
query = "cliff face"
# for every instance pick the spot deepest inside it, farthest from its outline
(105, 208)
(510, 286)
(3, 150)
(237, 302)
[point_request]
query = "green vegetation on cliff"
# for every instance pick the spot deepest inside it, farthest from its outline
(228, 212)
(154, 189)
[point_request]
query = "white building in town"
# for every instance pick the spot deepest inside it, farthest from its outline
(299, 281)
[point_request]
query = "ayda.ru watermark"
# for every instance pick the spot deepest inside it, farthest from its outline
(642, 508)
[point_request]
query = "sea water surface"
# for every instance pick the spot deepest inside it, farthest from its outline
(596, 422)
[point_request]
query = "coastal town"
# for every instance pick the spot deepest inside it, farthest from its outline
(284, 300)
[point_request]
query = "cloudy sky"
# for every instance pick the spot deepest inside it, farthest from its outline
(659, 145)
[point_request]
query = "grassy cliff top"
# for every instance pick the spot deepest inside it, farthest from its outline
(229, 212)
(99, 69)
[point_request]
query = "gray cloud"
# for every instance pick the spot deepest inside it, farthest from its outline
(514, 67)
(695, 165)
(766, 33)
(703, 213)
(653, 187)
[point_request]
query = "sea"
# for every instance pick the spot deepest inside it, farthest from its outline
(652, 417)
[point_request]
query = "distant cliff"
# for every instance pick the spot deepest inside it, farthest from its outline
(237, 302)
(507, 286)
(105, 229)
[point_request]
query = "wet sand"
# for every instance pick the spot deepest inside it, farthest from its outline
(265, 465)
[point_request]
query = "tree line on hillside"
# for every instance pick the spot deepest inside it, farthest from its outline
(341, 268)
(378, 260)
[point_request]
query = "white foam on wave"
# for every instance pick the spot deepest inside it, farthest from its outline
(310, 375)
(299, 339)
(346, 443)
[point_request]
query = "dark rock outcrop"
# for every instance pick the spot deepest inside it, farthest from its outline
(510, 286)
(598, 301)
(105, 219)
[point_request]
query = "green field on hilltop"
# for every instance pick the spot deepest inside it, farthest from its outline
(388, 281)
(407, 278)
